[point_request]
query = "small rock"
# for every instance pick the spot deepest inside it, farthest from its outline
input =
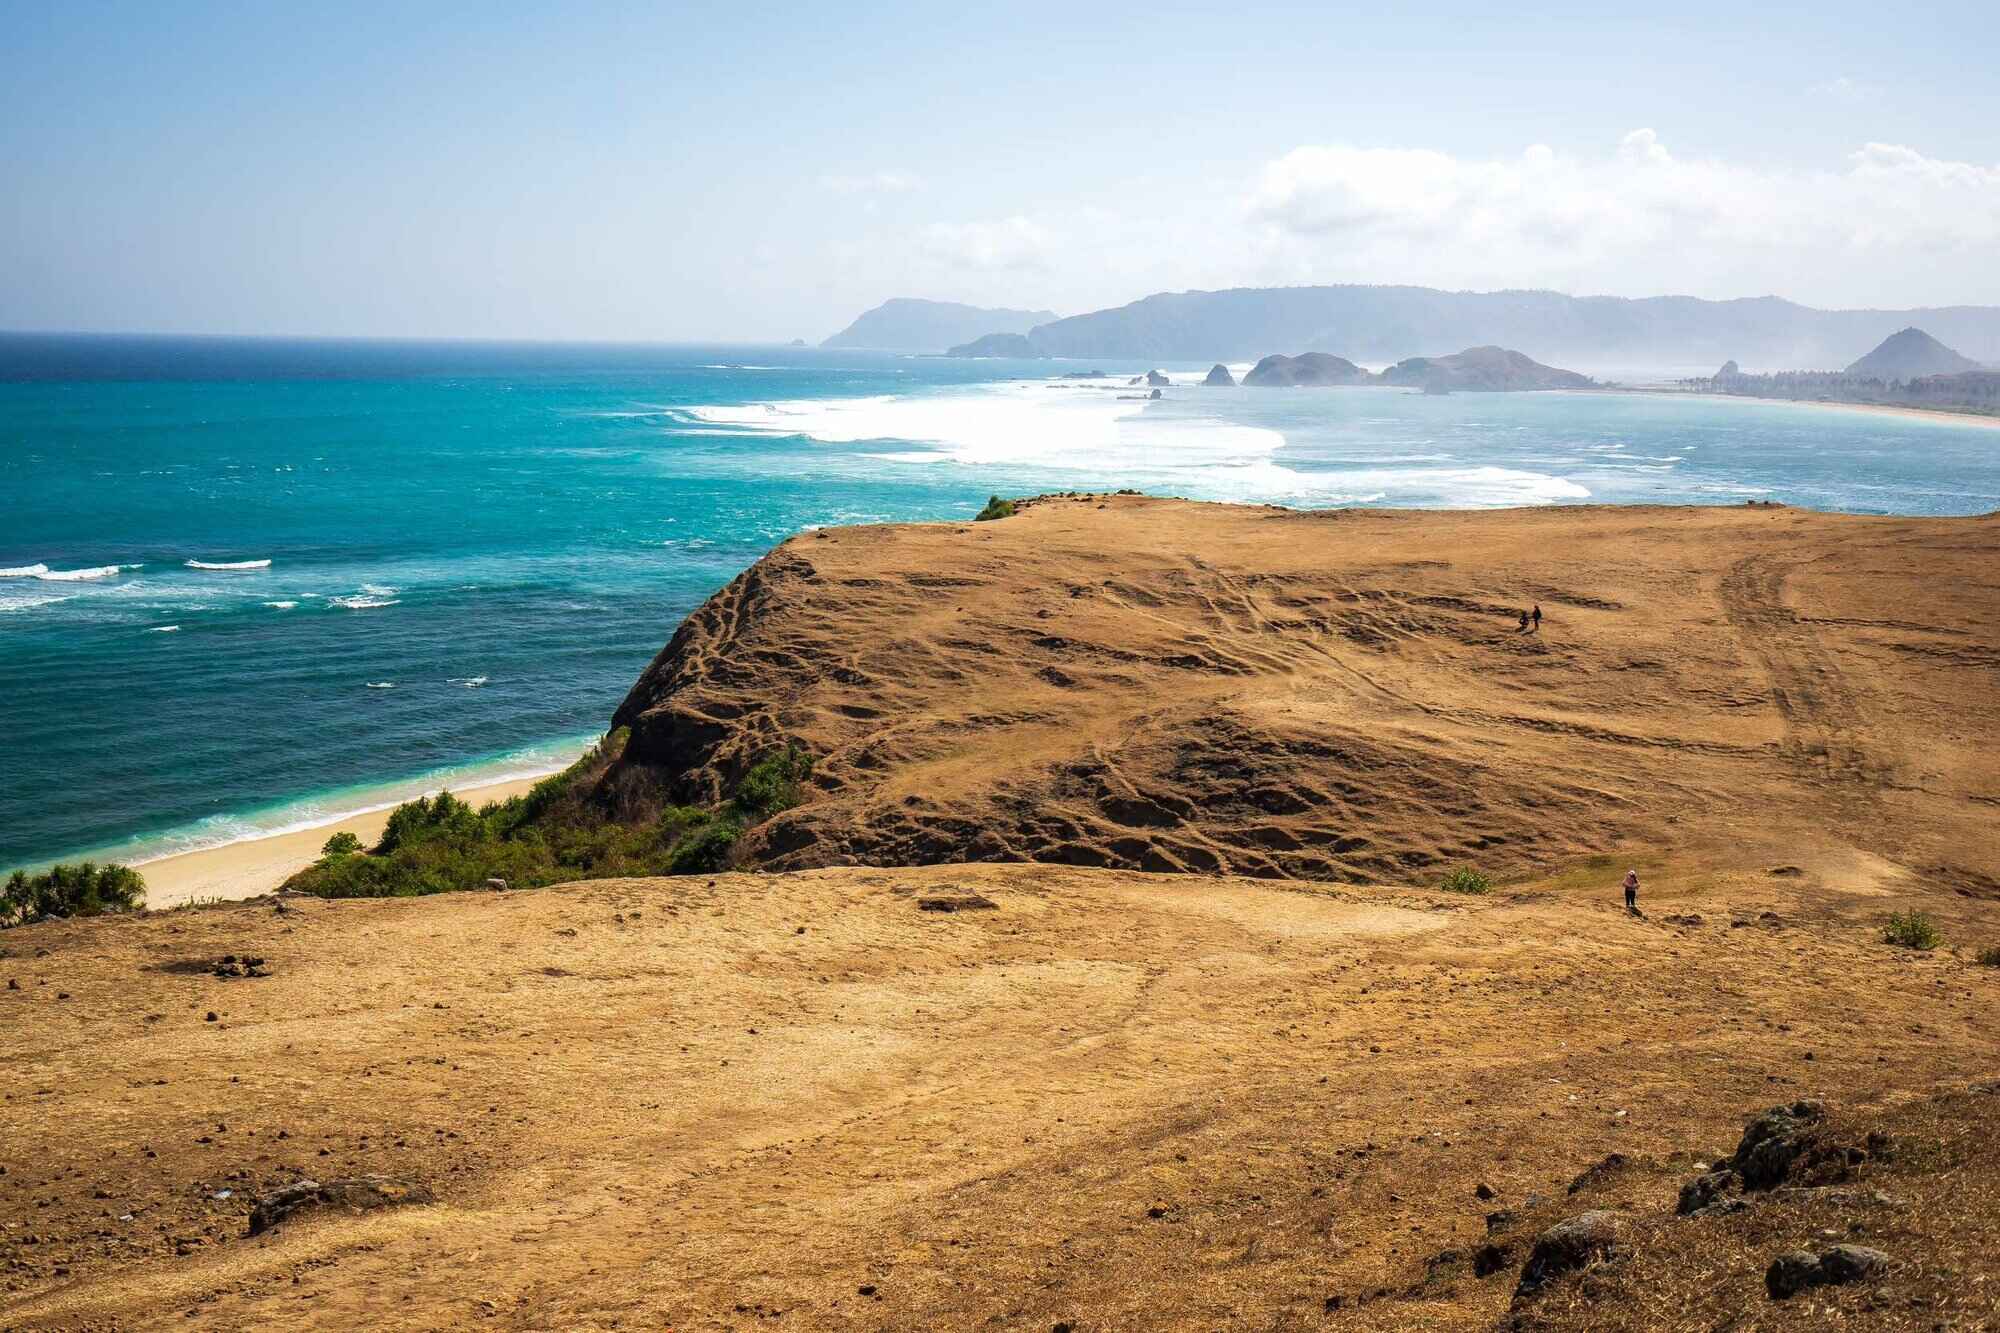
(1484, 1191)
(1704, 1190)
(1489, 1259)
(1591, 1175)
(210, 1018)
(1791, 1273)
(1851, 1263)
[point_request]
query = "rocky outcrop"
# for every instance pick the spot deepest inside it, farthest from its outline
(1013, 345)
(1570, 1245)
(1310, 369)
(1482, 370)
(1157, 380)
(357, 1194)
(1219, 377)
(1794, 1271)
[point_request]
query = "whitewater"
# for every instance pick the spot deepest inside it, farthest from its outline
(280, 598)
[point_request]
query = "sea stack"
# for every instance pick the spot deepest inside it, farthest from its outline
(1219, 377)
(1157, 380)
(1308, 369)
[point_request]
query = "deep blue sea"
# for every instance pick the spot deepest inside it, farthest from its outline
(253, 585)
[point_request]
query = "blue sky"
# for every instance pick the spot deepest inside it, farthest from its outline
(761, 172)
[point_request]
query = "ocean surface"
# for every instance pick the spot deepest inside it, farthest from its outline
(248, 586)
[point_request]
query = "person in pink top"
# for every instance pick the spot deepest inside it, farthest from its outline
(1632, 892)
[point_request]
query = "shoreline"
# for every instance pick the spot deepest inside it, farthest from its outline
(1988, 420)
(249, 867)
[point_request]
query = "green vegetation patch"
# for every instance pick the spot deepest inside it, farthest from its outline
(86, 889)
(559, 831)
(995, 508)
(1464, 879)
(1990, 956)
(1912, 930)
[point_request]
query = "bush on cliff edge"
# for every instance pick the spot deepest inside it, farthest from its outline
(557, 832)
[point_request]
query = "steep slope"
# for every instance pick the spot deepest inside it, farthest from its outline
(905, 324)
(1345, 695)
(1910, 354)
(1382, 324)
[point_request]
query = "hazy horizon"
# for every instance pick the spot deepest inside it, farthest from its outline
(617, 174)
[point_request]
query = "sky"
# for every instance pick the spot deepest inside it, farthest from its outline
(763, 172)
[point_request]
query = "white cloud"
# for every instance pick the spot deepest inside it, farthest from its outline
(1636, 219)
(872, 182)
(1007, 243)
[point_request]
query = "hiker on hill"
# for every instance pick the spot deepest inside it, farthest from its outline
(1524, 622)
(1632, 892)
(1537, 614)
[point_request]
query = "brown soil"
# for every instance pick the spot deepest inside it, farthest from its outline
(1346, 695)
(1117, 1100)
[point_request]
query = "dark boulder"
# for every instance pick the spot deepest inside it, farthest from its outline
(1157, 380)
(1773, 1141)
(1791, 1273)
(1570, 1245)
(1219, 377)
(1851, 1263)
(1704, 1190)
(1795, 1270)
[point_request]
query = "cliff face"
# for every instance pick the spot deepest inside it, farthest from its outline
(1346, 695)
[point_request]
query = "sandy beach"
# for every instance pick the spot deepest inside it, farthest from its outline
(1987, 420)
(245, 869)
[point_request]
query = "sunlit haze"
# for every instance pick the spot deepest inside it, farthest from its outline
(760, 173)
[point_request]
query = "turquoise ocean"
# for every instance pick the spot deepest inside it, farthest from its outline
(248, 586)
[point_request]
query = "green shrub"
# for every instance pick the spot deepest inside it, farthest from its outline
(1990, 956)
(1464, 879)
(995, 508)
(772, 784)
(342, 843)
(86, 889)
(565, 828)
(705, 849)
(1912, 930)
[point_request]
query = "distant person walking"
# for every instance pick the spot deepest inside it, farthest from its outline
(1632, 892)
(1524, 622)
(1537, 613)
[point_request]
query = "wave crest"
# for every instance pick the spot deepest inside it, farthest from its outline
(229, 564)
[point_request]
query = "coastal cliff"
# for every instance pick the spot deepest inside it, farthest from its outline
(1171, 686)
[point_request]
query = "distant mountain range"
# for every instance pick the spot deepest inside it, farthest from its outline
(906, 324)
(1385, 324)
